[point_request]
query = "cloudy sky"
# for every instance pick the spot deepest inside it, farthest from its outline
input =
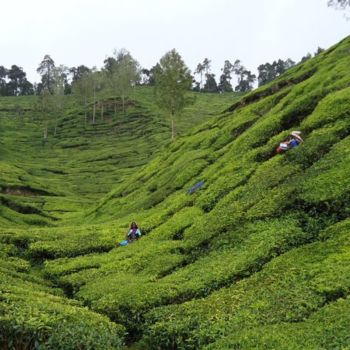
(78, 32)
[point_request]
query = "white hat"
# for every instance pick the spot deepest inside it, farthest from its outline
(296, 134)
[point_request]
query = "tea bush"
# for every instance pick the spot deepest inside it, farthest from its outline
(255, 258)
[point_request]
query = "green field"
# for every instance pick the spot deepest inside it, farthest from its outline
(257, 258)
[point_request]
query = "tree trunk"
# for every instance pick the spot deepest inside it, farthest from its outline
(102, 106)
(45, 132)
(123, 99)
(115, 114)
(85, 107)
(172, 128)
(94, 109)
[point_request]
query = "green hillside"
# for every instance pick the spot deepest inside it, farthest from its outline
(257, 258)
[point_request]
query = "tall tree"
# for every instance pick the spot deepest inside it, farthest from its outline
(269, 71)
(245, 81)
(206, 68)
(44, 109)
(341, 4)
(306, 57)
(288, 63)
(77, 72)
(83, 91)
(125, 73)
(266, 73)
(152, 73)
(17, 84)
(206, 65)
(173, 80)
(3, 75)
(318, 51)
(245, 78)
(225, 78)
(95, 80)
(200, 70)
(210, 83)
(59, 91)
(109, 64)
(46, 70)
(145, 76)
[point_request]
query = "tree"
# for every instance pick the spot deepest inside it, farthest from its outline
(266, 73)
(318, 51)
(44, 109)
(200, 70)
(210, 83)
(3, 75)
(96, 80)
(196, 87)
(123, 73)
(46, 70)
(225, 78)
(224, 84)
(145, 76)
(66, 81)
(339, 4)
(206, 65)
(270, 71)
(17, 84)
(152, 73)
(83, 91)
(244, 77)
(288, 63)
(306, 57)
(245, 81)
(109, 64)
(206, 68)
(126, 73)
(77, 72)
(173, 79)
(27, 88)
(59, 91)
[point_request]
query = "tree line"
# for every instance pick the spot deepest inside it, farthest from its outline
(13, 81)
(170, 78)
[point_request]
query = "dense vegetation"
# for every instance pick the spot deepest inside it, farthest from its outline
(256, 258)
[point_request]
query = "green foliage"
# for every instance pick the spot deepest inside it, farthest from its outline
(172, 81)
(289, 289)
(30, 318)
(258, 257)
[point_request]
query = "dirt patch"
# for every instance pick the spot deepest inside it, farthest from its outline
(24, 191)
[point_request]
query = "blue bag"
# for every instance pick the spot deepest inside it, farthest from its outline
(124, 243)
(197, 186)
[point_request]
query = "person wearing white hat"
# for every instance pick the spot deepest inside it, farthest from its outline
(293, 140)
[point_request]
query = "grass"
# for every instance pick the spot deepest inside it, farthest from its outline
(256, 258)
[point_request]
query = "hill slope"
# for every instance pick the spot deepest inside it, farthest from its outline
(68, 172)
(256, 258)
(44, 185)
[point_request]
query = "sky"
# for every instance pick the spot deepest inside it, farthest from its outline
(75, 32)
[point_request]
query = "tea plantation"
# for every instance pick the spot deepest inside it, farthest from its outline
(256, 258)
